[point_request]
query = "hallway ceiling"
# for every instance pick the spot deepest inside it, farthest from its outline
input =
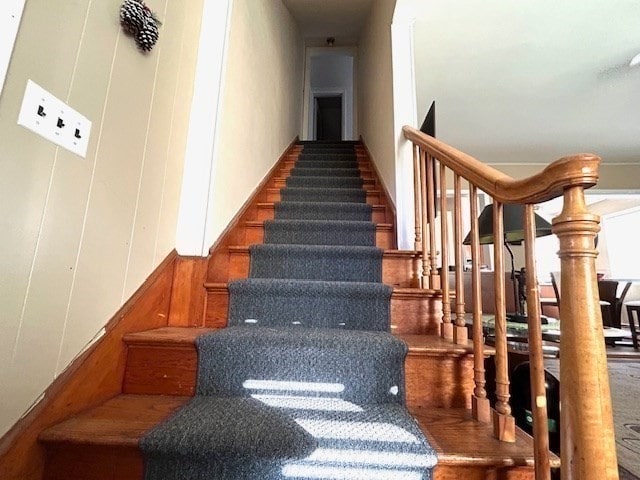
(341, 19)
(516, 82)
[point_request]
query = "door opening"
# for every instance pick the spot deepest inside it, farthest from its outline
(328, 118)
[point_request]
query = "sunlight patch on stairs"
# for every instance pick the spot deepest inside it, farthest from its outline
(308, 403)
(252, 384)
(358, 431)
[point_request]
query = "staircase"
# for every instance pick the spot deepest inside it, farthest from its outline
(317, 242)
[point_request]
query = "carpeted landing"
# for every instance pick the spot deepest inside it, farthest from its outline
(306, 382)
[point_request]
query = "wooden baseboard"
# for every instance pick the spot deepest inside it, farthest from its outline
(385, 191)
(391, 204)
(218, 262)
(94, 377)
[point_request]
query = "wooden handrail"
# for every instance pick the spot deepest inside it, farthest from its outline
(586, 423)
(571, 171)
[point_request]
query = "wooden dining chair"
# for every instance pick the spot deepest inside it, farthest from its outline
(606, 306)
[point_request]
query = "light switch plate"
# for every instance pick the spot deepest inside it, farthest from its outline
(50, 117)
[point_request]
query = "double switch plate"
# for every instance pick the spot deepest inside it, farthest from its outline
(54, 120)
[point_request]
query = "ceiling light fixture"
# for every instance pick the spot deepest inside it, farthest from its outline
(331, 41)
(635, 61)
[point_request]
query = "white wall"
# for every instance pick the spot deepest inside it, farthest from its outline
(375, 91)
(334, 73)
(81, 235)
(261, 104)
(10, 15)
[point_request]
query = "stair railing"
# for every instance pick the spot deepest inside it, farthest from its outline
(586, 422)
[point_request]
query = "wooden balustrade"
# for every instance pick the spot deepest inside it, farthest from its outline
(586, 424)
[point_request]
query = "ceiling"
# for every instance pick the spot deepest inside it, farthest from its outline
(533, 80)
(515, 82)
(341, 19)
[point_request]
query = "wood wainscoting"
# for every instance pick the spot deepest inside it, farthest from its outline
(94, 377)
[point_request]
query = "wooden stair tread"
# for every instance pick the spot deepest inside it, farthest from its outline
(170, 335)
(397, 291)
(272, 205)
(120, 421)
(457, 439)
(460, 440)
(387, 252)
(277, 190)
(185, 336)
(260, 223)
(433, 344)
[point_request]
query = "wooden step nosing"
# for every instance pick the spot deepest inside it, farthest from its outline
(398, 292)
(270, 205)
(183, 343)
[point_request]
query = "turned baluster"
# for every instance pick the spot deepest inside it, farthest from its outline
(503, 421)
(536, 361)
(447, 327)
(480, 407)
(431, 220)
(460, 334)
(417, 198)
(426, 226)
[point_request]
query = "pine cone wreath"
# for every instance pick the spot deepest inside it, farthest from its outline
(148, 35)
(133, 16)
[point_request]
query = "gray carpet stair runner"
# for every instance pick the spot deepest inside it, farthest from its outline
(319, 304)
(333, 157)
(325, 182)
(320, 232)
(323, 211)
(306, 382)
(326, 172)
(316, 262)
(323, 194)
(326, 164)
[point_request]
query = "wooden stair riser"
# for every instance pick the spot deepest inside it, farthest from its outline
(456, 472)
(265, 211)
(398, 270)
(374, 197)
(67, 461)
(432, 380)
(410, 313)
(254, 233)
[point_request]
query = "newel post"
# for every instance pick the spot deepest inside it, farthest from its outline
(586, 424)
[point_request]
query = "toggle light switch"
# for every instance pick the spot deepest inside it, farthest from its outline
(64, 127)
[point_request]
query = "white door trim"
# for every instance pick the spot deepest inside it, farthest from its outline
(404, 113)
(193, 236)
(328, 92)
(307, 107)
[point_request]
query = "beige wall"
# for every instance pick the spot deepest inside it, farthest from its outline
(375, 91)
(261, 106)
(81, 235)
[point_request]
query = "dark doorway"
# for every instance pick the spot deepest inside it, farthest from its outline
(329, 118)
